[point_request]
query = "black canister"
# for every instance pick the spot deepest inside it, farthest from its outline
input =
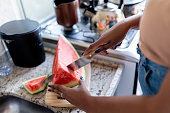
(24, 42)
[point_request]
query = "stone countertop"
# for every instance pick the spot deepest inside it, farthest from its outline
(12, 84)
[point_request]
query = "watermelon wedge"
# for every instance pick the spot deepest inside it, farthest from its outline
(65, 54)
(34, 85)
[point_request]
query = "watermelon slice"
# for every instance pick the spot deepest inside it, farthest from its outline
(34, 85)
(65, 54)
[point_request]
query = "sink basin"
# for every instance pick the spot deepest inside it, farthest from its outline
(12, 104)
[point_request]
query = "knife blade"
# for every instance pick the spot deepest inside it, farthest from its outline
(83, 60)
(48, 79)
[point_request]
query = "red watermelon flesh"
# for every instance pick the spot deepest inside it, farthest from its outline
(34, 85)
(65, 54)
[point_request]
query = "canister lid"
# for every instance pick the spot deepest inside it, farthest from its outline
(58, 2)
(18, 27)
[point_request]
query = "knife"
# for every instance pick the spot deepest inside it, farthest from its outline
(48, 79)
(83, 60)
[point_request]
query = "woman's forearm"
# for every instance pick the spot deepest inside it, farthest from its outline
(130, 22)
(118, 31)
(114, 36)
(130, 104)
(158, 103)
(134, 21)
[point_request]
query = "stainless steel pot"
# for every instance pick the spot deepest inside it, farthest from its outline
(131, 7)
(130, 10)
(107, 17)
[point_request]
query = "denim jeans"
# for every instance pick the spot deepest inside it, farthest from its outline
(150, 74)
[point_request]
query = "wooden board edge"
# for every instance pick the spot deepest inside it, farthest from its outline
(112, 86)
(116, 78)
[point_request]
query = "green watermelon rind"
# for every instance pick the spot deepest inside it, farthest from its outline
(41, 89)
(71, 84)
(74, 83)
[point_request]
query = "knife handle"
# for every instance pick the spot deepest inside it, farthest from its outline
(90, 55)
(98, 51)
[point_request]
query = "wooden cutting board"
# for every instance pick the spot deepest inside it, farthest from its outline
(52, 99)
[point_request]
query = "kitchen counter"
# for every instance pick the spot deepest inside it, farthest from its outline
(12, 84)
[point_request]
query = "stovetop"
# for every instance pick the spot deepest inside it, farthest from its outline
(52, 28)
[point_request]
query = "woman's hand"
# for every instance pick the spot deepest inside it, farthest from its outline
(78, 96)
(109, 39)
